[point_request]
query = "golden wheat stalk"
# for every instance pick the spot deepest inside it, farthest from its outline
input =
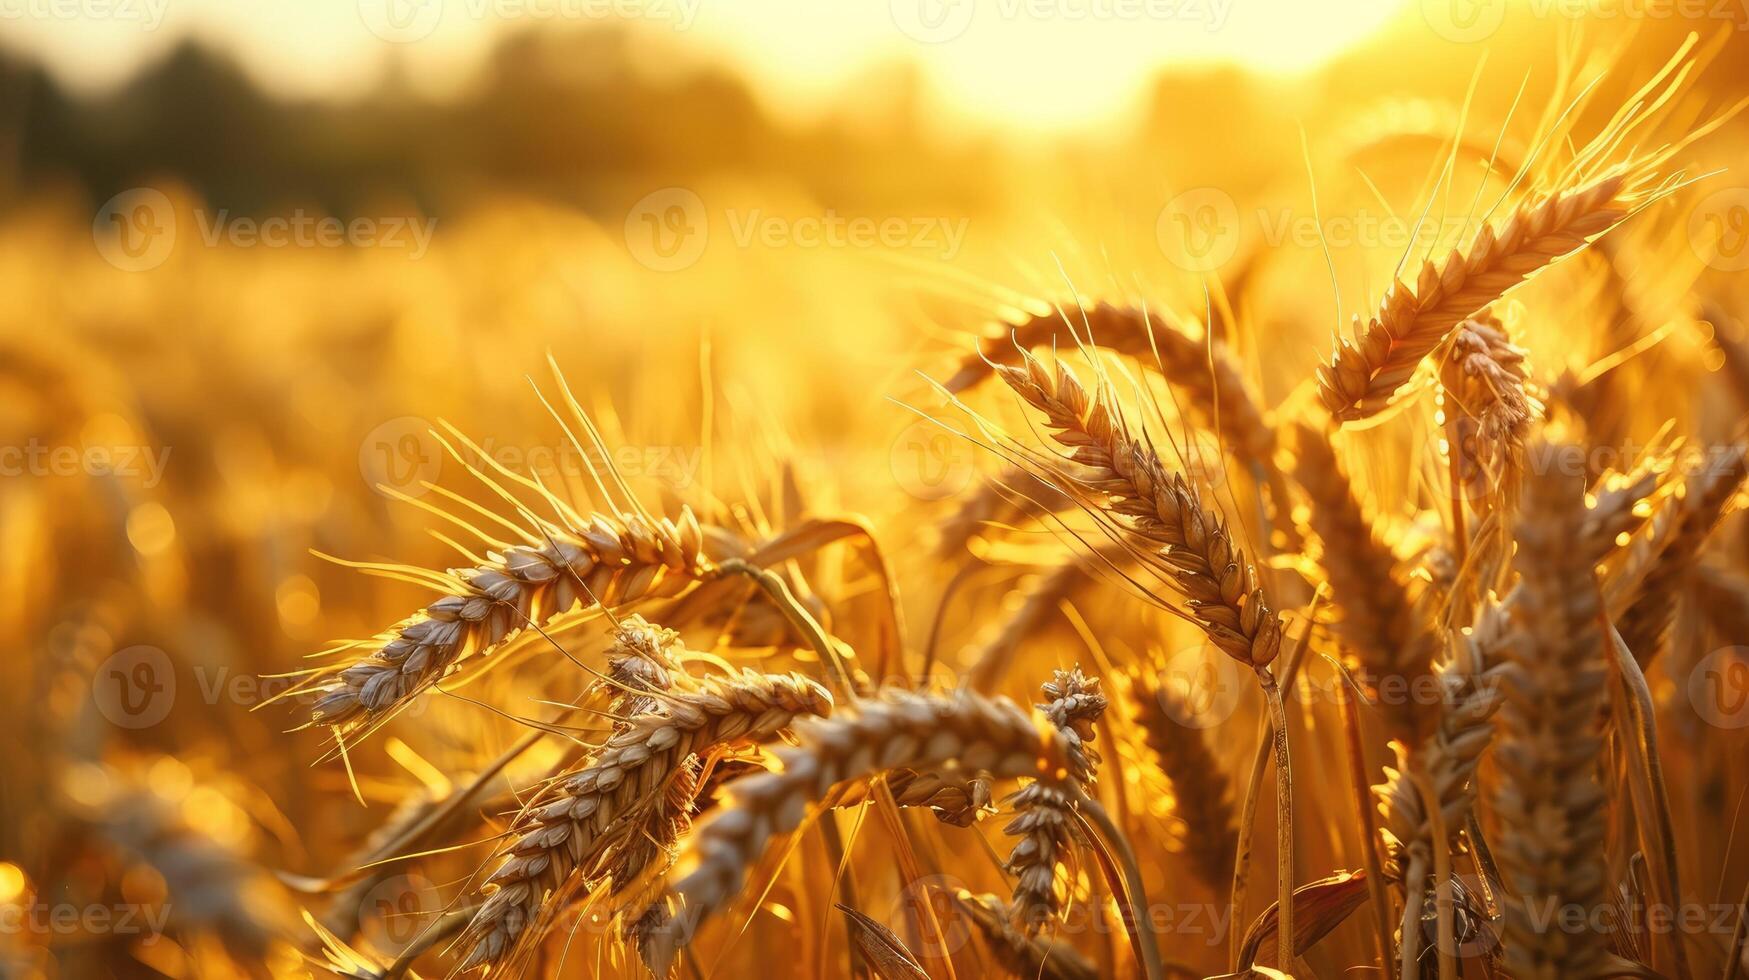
(1550, 739)
(562, 833)
(1044, 819)
(1022, 955)
(1179, 538)
(1201, 791)
(609, 561)
(895, 730)
(1413, 321)
(1160, 510)
(1708, 494)
(1203, 372)
(1380, 618)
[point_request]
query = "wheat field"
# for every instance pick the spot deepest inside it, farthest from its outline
(1293, 533)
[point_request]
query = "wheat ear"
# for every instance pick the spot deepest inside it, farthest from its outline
(1159, 510)
(612, 560)
(893, 730)
(1550, 741)
(1708, 493)
(1489, 406)
(1185, 542)
(1205, 376)
(1201, 792)
(1380, 619)
(560, 833)
(1206, 380)
(1411, 322)
(955, 798)
(1044, 819)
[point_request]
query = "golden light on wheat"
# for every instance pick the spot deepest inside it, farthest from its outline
(1293, 532)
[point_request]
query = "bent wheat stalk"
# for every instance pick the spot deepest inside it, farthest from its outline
(1045, 817)
(889, 731)
(1180, 539)
(561, 833)
(610, 561)
(1413, 320)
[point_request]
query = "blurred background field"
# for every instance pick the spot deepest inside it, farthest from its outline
(740, 246)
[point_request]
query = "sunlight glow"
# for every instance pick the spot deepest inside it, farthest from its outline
(1027, 64)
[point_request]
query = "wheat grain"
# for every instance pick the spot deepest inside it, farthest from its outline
(1550, 743)
(1186, 541)
(611, 561)
(1411, 322)
(895, 730)
(955, 798)
(563, 831)
(1489, 401)
(1044, 819)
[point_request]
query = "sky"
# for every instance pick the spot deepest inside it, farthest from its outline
(1027, 64)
